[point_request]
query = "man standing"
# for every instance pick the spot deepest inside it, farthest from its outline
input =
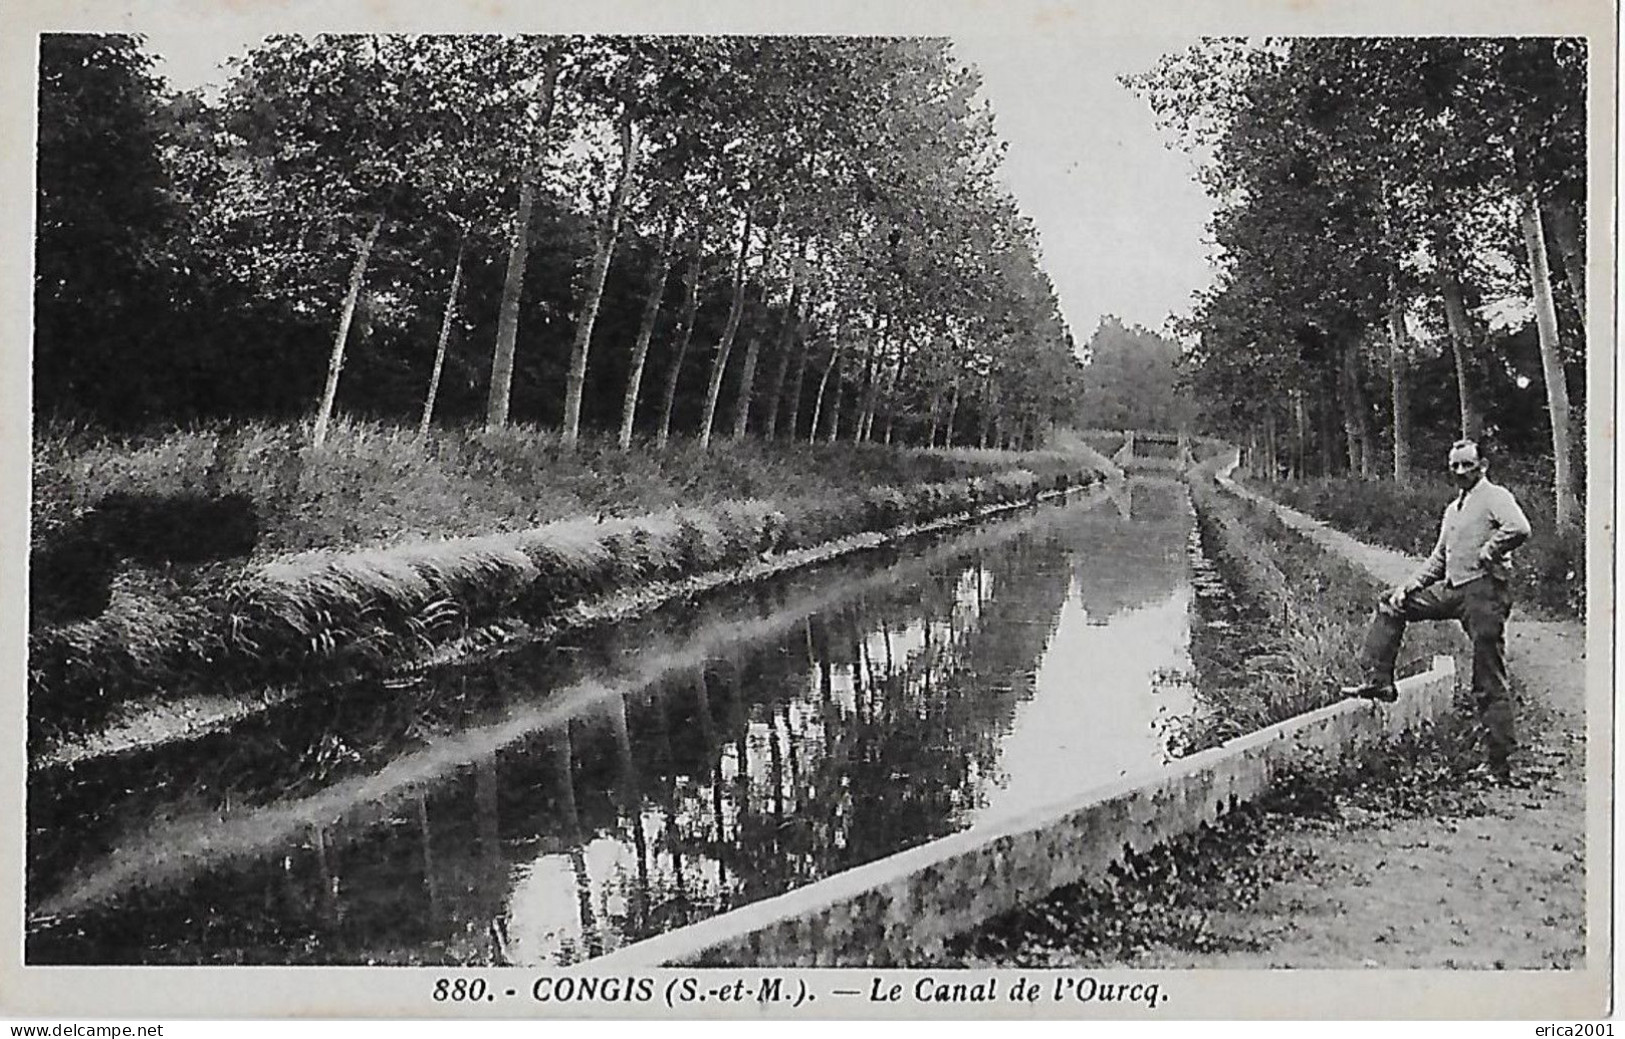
(1465, 578)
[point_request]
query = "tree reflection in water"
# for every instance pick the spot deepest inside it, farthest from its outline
(876, 722)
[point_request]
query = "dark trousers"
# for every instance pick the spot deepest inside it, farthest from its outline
(1481, 605)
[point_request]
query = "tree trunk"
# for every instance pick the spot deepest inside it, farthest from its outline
(719, 363)
(1301, 414)
(747, 377)
(440, 346)
(513, 284)
(803, 348)
(792, 318)
(1356, 412)
(753, 345)
(781, 372)
(685, 335)
(860, 401)
(877, 387)
(835, 408)
(988, 406)
(871, 378)
(1327, 419)
(891, 378)
(823, 383)
(1399, 390)
(335, 362)
(576, 379)
(496, 405)
(1272, 458)
(1462, 345)
(1557, 390)
(646, 330)
(864, 398)
(953, 409)
(1566, 233)
(1351, 438)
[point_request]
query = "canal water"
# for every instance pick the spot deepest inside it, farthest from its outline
(569, 799)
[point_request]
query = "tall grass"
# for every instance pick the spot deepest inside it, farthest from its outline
(374, 484)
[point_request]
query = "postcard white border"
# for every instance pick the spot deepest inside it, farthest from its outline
(406, 992)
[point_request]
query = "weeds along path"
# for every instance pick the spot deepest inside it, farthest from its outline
(1496, 881)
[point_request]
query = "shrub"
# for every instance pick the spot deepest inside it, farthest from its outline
(699, 545)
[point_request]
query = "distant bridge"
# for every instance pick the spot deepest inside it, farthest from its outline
(1144, 450)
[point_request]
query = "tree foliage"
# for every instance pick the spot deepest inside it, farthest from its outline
(829, 204)
(1132, 381)
(1374, 198)
(103, 274)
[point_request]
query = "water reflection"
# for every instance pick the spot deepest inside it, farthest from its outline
(565, 802)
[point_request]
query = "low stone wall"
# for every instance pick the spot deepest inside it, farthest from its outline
(901, 910)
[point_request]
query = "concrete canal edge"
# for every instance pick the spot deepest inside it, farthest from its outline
(901, 910)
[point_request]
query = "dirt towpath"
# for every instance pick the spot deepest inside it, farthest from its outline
(1502, 885)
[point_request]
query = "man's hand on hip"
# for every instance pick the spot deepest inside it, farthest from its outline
(1394, 601)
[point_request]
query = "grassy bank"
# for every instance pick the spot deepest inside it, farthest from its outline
(1548, 572)
(455, 482)
(1303, 616)
(235, 558)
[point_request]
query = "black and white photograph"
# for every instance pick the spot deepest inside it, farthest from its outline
(1063, 510)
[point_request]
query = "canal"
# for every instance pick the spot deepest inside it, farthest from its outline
(568, 799)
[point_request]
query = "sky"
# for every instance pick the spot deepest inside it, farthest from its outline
(1120, 218)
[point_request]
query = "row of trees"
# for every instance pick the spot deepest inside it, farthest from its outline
(797, 237)
(1377, 198)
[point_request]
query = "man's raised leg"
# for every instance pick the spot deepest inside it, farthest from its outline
(1387, 630)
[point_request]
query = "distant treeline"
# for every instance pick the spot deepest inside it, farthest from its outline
(1133, 381)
